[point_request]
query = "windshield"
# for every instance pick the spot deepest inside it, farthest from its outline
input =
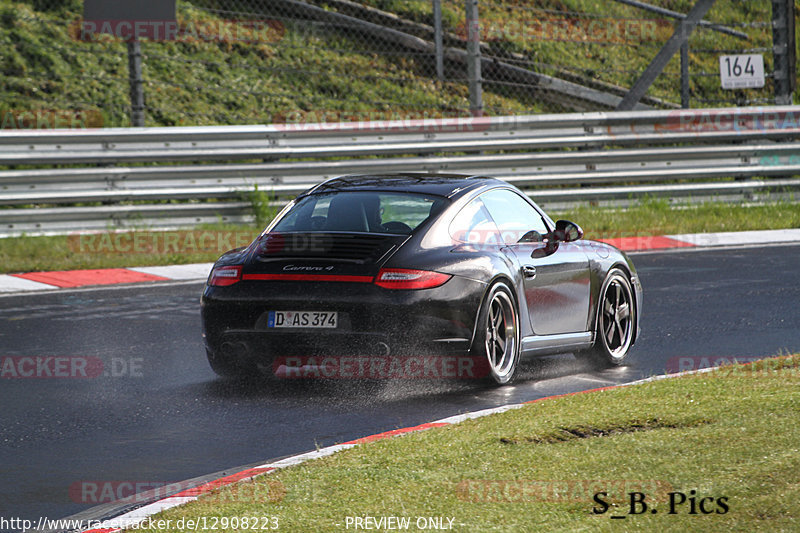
(362, 212)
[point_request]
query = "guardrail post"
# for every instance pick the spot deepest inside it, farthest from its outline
(137, 84)
(784, 50)
(474, 58)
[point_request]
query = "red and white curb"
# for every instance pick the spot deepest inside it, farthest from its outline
(132, 518)
(67, 279)
(32, 282)
(706, 240)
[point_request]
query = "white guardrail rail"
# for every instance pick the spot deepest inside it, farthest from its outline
(127, 176)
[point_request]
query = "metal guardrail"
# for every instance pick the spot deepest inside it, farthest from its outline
(554, 158)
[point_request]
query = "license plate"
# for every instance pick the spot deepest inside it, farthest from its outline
(302, 319)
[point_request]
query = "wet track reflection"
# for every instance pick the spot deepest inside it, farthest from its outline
(150, 409)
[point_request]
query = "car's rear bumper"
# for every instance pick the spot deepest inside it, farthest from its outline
(373, 321)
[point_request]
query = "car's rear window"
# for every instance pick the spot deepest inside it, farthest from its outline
(361, 212)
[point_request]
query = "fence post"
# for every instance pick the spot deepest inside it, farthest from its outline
(137, 85)
(784, 51)
(474, 58)
(437, 38)
(685, 103)
(680, 35)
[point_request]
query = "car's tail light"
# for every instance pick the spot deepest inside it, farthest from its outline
(401, 278)
(224, 276)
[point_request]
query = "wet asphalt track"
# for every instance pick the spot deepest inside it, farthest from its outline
(165, 417)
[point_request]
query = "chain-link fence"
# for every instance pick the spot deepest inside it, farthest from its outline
(264, 61)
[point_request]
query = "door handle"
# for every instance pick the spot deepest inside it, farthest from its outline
(529, 271)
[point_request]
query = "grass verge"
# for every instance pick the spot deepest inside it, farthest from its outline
(656, 216)
(730, 435)
(206, 243)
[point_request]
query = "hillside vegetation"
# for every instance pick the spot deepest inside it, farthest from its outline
(297, 69)
(610, 42)
(297, 72)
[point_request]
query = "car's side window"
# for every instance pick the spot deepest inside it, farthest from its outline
(474, 225)
(515, 217)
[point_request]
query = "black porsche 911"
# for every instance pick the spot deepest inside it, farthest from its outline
(419, 265)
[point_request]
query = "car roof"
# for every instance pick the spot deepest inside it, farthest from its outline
(448, 185)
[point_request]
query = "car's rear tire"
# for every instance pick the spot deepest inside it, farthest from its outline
(616, 321)
(498, 335)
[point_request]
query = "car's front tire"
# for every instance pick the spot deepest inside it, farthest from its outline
(498, 334)
(616, 321)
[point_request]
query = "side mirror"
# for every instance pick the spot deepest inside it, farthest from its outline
(566, 231)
